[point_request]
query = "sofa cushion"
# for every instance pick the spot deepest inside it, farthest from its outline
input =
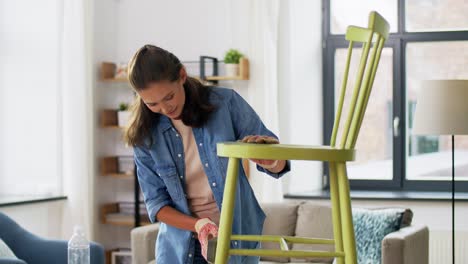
(281, 220)
(5, 251)
(371, 226)
(314, 221)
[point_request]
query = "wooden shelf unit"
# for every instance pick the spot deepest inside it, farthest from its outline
(109, 166)
(110, 215)
(108, 72)
(108, 118)
(244, 70)
(113, 127)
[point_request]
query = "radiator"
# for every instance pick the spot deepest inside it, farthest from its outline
(440, 247)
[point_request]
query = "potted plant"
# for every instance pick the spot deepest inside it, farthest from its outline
(231, 60)
(123, 114)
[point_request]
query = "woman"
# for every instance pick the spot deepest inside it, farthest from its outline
(176, 124)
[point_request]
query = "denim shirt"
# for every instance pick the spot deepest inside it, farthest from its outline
(161, 168)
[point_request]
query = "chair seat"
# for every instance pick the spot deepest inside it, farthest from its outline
(283, 152)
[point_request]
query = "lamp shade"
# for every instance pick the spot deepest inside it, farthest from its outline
(442, 108)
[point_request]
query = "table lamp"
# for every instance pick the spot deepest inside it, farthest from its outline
(441, 109)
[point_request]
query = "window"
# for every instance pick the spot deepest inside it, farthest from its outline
(428, 40)
(29, 98)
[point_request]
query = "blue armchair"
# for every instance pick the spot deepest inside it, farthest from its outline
(32, 249)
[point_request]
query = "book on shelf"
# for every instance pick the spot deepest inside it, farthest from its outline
(126, 164)
(119, 217)
(129, 208)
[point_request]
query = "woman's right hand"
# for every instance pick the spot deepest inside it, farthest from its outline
(271, 165)
(206, 229)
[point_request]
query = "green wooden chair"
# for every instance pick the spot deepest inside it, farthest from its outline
(337, 155)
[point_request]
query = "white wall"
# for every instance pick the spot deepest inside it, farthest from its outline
(42, 219)
(186, 28)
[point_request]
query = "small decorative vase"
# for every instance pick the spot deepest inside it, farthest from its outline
(232, 70)
(122, 118)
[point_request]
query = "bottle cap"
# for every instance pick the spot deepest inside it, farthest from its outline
(78, 230)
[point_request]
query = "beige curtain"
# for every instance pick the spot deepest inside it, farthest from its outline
(77, 117)
(263, 84)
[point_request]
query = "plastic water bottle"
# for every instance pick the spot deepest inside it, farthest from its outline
(78, 247)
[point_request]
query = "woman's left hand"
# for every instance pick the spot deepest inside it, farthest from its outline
(260, 139)
(266, 164)
(206, 230)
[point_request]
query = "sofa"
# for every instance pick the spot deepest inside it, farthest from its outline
(399, 243)
(19, 246)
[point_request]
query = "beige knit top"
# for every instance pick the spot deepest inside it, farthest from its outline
(200, 197)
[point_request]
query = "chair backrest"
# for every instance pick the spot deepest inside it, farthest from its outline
(372, 38)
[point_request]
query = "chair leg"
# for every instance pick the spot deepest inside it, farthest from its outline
(227, 210)
(349, 241)
(336, 212)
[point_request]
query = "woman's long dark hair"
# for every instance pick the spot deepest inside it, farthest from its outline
(153, 64)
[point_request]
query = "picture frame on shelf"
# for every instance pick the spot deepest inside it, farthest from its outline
(121, 257)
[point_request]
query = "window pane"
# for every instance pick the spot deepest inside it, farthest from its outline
(429, 157)
(436, 15)
(345, 12)
(375, 143)
(29, 153)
